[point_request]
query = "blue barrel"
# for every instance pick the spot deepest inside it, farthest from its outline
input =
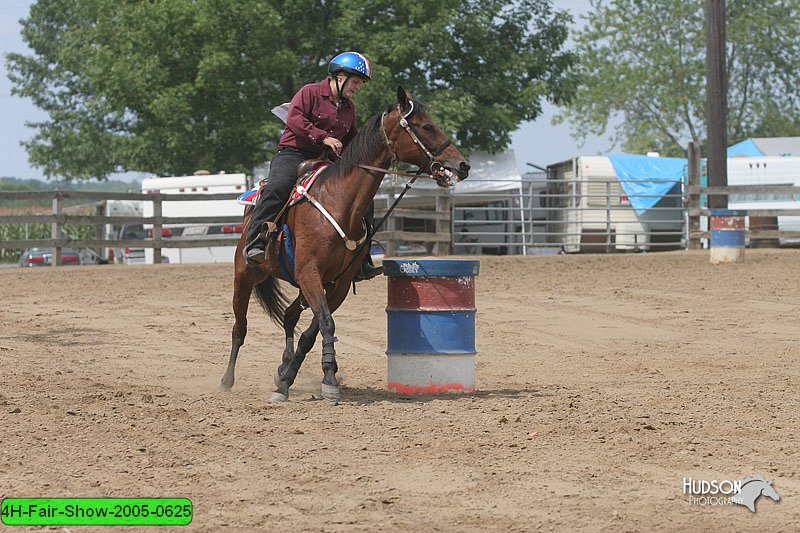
(727, 235)
(431, 325)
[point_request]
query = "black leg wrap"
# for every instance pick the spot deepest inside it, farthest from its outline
(329, 357)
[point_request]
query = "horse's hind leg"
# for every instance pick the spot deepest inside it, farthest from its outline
(287, 372)
(242, 288)
(304, 345)
(284, 378)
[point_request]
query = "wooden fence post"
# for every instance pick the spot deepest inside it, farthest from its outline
(391, 225)
(693, 156)
(157, 229)
(56, 228)
(442, 225)
(99, 233)
(716, 102)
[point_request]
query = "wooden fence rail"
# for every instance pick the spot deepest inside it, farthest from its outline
(763, 222)
(437, 241)
(58, 218)
(428, 215)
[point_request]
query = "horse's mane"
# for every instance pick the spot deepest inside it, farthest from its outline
(362, 149)
(366, 145)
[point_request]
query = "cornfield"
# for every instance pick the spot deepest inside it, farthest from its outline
(22, 232)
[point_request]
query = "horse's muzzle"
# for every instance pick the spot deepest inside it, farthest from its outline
(446, 176)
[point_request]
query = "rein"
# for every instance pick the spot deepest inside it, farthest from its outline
(418, 174)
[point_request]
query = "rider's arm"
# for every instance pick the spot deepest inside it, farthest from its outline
(301, 108)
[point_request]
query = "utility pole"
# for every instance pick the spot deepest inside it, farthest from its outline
(716, 101)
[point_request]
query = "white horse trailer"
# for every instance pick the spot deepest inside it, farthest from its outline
(235, 184)
(590, 211)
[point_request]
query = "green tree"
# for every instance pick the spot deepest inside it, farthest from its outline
(643, 68)
(170, 86)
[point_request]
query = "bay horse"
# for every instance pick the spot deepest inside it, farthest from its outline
(325, 260)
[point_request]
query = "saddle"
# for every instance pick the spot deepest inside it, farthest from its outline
(306, 171)
(310, 165)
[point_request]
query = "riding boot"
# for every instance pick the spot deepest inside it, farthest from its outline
(255, 250)
(368, 269)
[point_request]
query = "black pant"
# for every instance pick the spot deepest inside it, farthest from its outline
(278, 187)
(282, 176)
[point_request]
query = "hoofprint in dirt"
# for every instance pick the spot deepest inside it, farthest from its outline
(604, 381)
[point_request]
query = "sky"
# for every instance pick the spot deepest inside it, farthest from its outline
(537, 142)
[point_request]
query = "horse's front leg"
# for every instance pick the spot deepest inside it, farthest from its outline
(330, 384)
(311, 285)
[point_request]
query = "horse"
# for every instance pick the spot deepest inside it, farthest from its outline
(326, 258)
(752, 488)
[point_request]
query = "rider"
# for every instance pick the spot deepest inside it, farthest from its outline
(321, 121)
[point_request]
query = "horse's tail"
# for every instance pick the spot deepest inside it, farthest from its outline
(272, 299)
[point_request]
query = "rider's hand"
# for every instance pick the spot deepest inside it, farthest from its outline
(334, 144)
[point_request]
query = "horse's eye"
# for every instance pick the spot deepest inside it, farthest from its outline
(428, 127)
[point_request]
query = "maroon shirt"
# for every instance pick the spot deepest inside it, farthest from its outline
(313, 115)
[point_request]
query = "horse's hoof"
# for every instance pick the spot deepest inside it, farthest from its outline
(225, 387)
(330, 392)
(278, 397)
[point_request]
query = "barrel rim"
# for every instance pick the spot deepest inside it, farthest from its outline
(431, 267)
(721, 212)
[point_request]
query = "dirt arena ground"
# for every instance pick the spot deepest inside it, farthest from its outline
(604, 381)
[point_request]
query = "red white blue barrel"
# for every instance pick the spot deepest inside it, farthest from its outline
(431, 325)
(726, 231)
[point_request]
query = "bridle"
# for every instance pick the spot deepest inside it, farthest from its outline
(435, 167)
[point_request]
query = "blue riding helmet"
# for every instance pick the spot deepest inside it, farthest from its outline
(351, 63)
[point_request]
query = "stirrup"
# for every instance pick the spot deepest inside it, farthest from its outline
(262, 237)
(267, 229)
(255, 255)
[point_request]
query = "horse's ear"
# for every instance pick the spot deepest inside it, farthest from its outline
(404, 99)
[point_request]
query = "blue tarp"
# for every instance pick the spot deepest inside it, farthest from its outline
(746, 148)
(646, 179)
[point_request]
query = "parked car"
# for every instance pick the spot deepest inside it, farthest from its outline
(90, 257)
(39, 257)
(128, 255)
